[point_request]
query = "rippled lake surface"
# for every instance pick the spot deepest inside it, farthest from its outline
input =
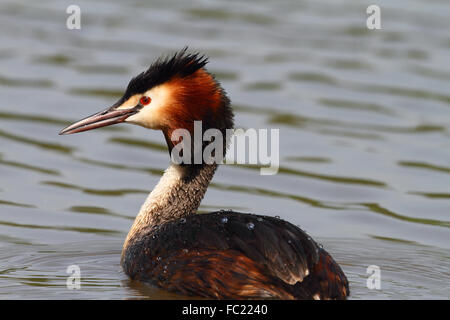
(364, 119)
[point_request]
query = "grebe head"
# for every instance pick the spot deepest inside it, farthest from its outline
(173, 93)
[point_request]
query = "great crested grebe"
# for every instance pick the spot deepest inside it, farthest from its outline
(225, 254)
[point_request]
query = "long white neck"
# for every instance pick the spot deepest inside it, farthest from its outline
(177, 194)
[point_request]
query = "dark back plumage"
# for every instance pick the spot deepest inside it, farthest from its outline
(230, 255)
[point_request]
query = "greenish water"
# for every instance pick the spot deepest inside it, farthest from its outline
(364, 119)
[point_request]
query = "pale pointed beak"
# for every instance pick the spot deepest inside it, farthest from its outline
(100, 119)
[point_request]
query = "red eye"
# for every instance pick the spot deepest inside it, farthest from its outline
(145, 100)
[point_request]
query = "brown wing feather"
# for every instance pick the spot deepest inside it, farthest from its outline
(327, 280)
(226, 274)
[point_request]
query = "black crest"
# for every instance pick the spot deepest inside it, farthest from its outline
(181, 64)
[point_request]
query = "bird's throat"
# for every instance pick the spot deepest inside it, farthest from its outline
(177, 195)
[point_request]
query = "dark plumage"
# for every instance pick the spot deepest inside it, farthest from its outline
(230, 255)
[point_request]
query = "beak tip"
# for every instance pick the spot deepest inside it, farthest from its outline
(62, 132)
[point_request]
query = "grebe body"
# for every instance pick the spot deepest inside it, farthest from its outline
(225, 254)
(233, 255)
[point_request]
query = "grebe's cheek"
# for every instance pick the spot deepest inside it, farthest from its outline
(146, 118)
(155, 114)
